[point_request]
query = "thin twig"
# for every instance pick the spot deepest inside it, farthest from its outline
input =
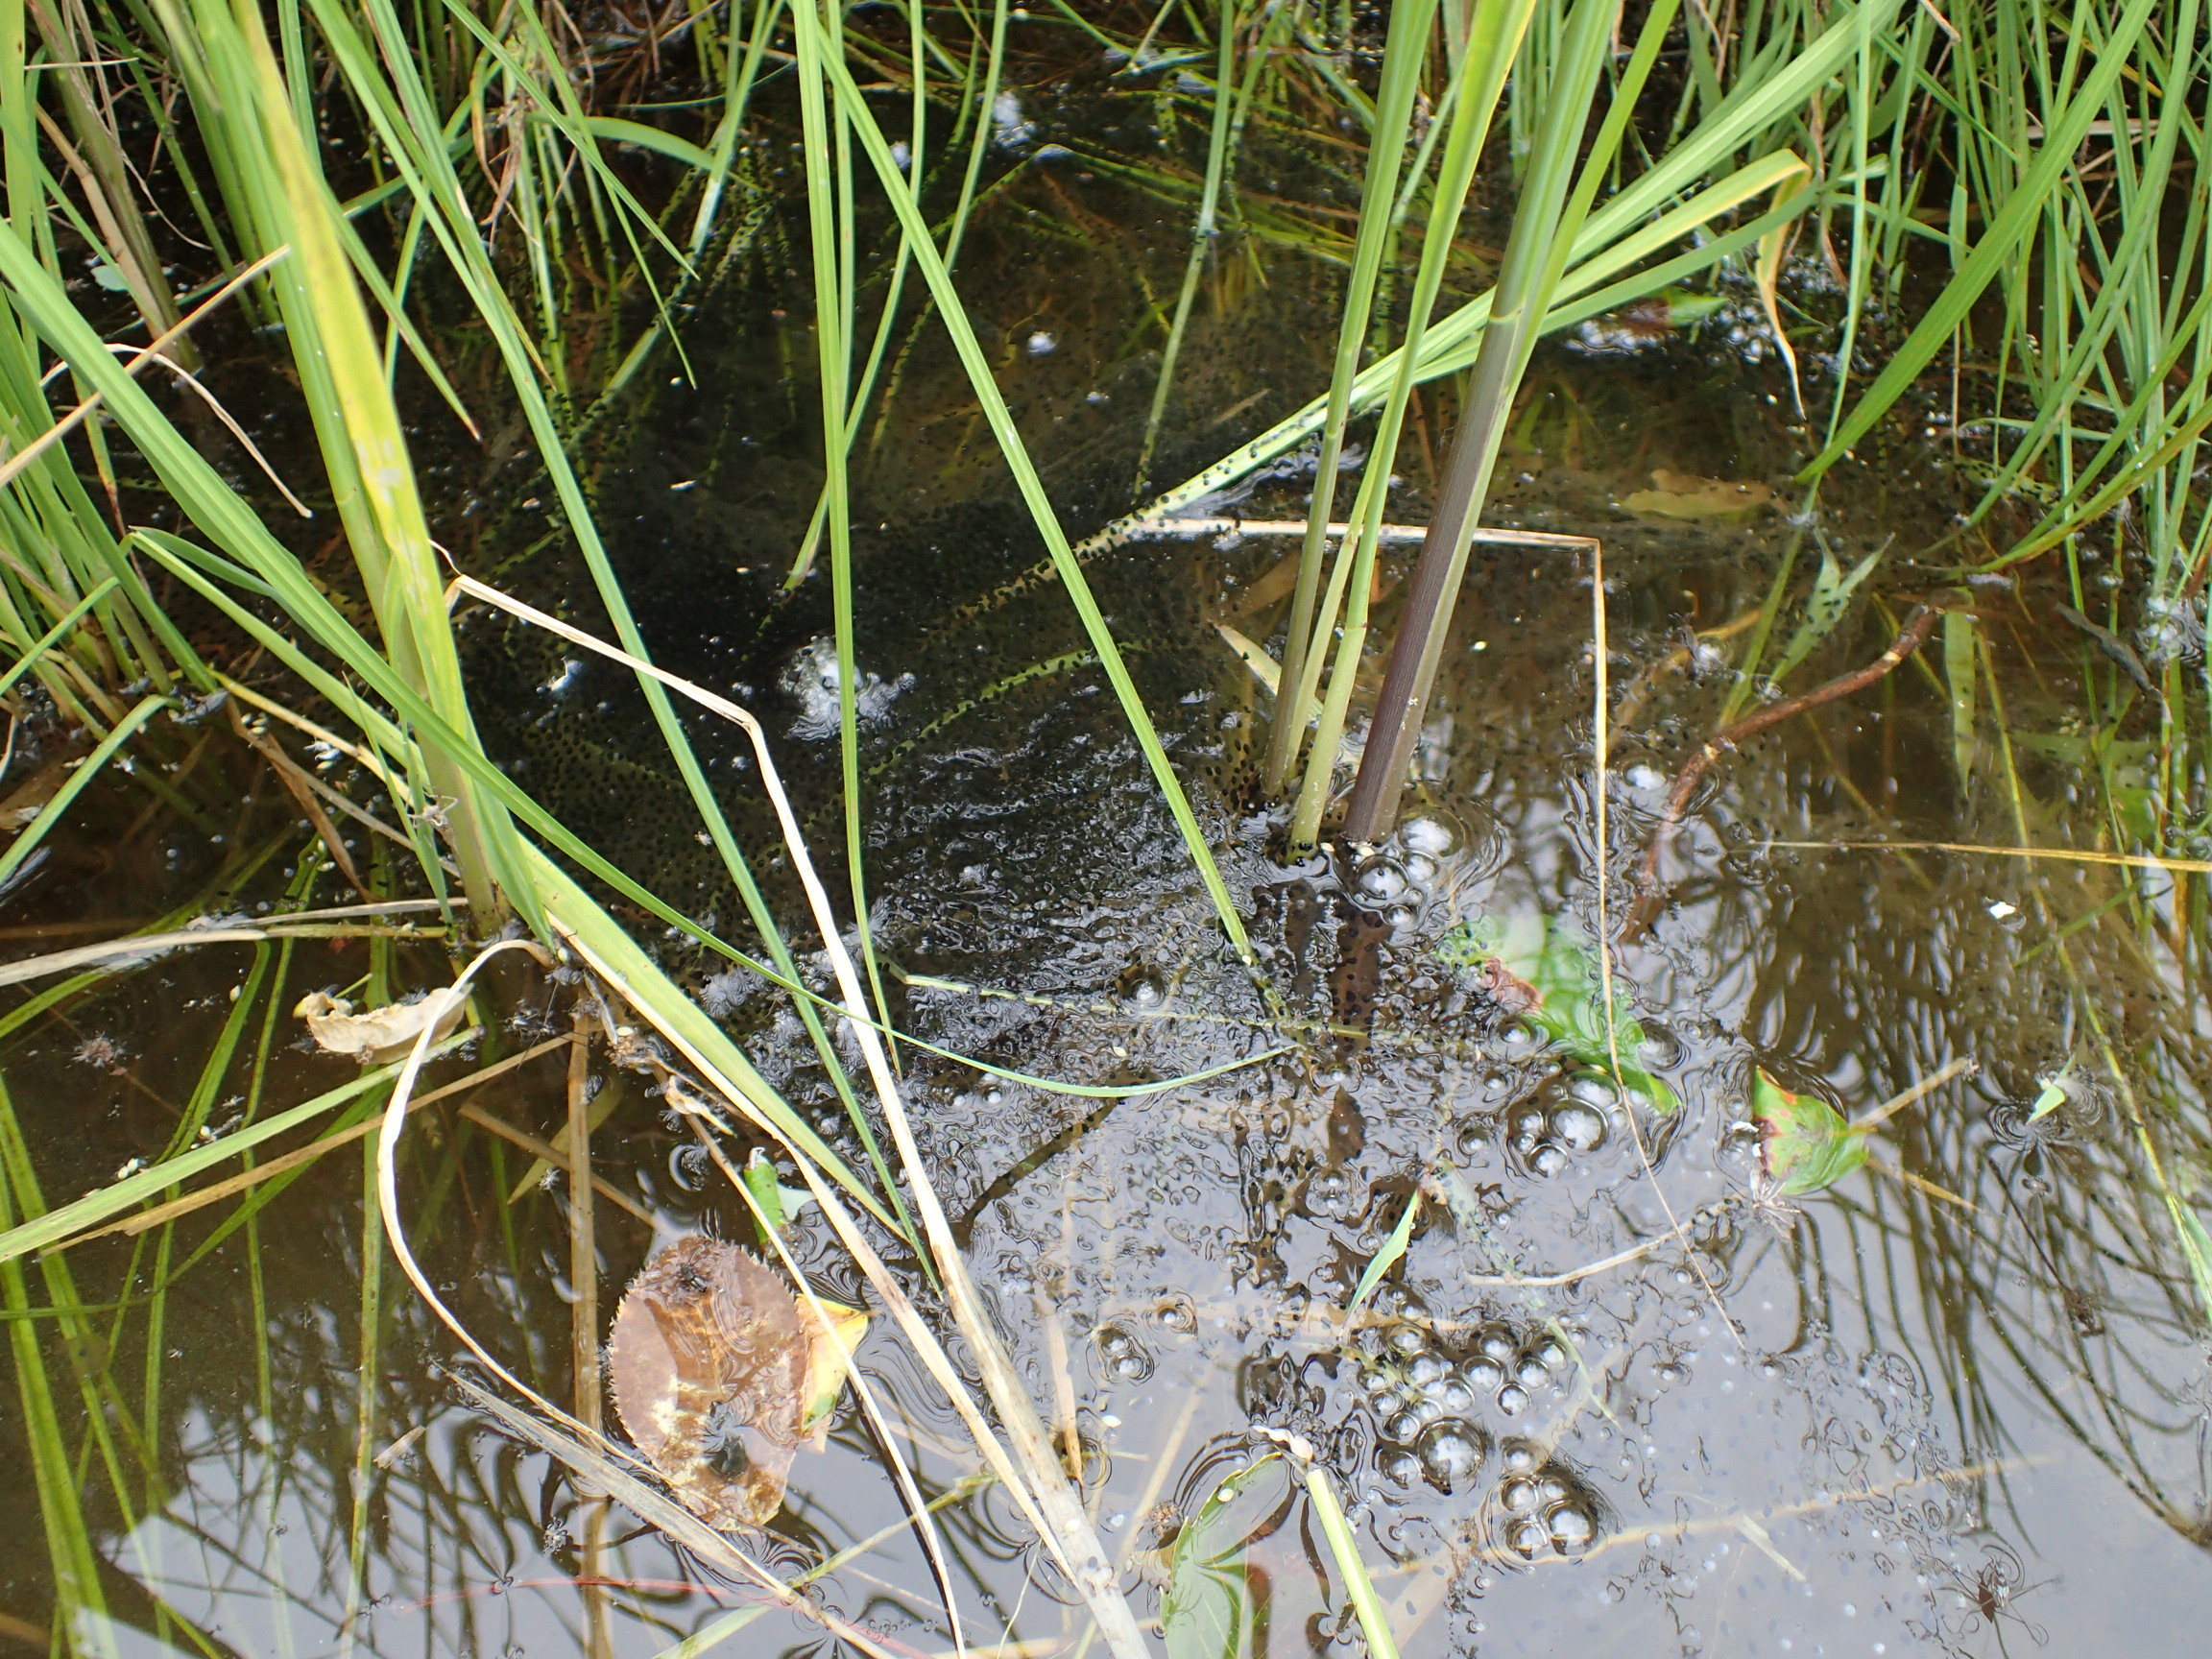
(1896, 1103)
(1910, 639)
(1075, 1541)
(149, 945)
(1159, 529)
(917, 1509)
(2064, 855)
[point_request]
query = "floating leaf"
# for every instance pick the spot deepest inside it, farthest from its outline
(381, 1034)
(778, 1202)
(1959, 674)
(1208, 1612)
(1804, 1143)
(715, 1370)
(1560, 972)
(827, 1364)
(1680, 495)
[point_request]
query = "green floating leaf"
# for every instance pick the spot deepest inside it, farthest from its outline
(1832, 591)
(1804, 1143)
(1208, 1612)
(1548, 976)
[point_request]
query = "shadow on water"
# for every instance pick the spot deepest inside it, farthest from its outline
(1958, 1399)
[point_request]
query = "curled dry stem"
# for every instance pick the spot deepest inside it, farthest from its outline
(1599, 798)
(916, 1507)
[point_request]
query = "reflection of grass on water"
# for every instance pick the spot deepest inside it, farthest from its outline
(2000, 181)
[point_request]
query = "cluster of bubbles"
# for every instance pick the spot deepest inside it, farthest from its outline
(1396, 884)
(1541, 1507)
(1126, 1356)
(1425, 1399)
(1547, 1136)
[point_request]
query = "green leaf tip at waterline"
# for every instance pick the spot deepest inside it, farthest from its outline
(1392, 1251)
(1544, 974)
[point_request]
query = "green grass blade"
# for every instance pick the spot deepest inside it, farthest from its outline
(2009, 233)
(1033, 493)
(53, 812)
(1344, 1551)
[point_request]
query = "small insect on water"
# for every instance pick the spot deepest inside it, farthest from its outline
(1987, 1595)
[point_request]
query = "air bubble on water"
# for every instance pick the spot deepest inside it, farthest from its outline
(1520, 1458)
(1409, 1339)
(1450, 1452)
(1404, 1427)
(1518, 1496)
(1429, 835)
(1380, 881)
(1401, 1467)
(1547, 1160)
(1427, 1368)
(1482, 1374)
(1326, 1192)
(1496, 1342)
(1528, 1538)
(1512, 1399)
(1454, 1396)
(1572, 1526)
(1533, 1372)
(1578, 1128)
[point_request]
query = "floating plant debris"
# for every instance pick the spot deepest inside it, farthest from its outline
(379, 1034)
(719, 1375)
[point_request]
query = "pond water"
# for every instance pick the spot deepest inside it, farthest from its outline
(1958, 1400)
